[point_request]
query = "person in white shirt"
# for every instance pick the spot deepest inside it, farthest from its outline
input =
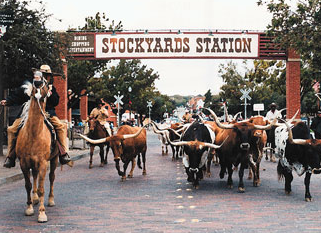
(273, 113)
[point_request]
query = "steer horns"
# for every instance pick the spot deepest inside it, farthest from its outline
(201, 145)
(294, 141)
(231, 126)
(103, 140)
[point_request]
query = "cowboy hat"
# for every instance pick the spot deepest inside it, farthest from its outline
(45, 69)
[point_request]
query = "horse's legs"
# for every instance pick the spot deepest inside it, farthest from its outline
(35, 197)
(42, 217)
(91, 156)
(130, 175)
(26, 173)
(53, 166)
(101, 153)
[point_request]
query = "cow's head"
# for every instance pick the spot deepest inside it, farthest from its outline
(194, 147)
(243, 129)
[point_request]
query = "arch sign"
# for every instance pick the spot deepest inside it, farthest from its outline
(189, 45)
(171, 45)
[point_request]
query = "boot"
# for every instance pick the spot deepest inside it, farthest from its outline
(10, 160)
(65, 159)
(11, 157)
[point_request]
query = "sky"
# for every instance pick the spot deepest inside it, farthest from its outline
(177, 76)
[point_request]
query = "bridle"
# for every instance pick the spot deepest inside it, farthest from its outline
(38, 97)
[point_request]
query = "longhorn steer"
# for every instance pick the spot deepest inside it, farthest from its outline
(257, 145)
(172, 135)
(237, 149)
(297, 151)
(128, 143)
(196, 140)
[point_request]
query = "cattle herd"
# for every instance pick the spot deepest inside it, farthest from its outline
(234, 145)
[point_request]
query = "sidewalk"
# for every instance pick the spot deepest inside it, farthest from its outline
(13, 174)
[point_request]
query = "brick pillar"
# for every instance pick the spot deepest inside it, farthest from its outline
(293, 71)
(83, 105)
(61, 85)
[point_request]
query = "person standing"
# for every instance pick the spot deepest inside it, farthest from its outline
(316, 125)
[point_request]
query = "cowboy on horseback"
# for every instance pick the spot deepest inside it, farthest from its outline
(19, 97)
(101, 114)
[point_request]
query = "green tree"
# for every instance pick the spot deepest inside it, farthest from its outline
(299, 28)
(28, 43)
(117, 79)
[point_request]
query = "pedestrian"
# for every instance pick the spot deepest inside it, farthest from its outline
(273, 113)
(19, 97)
(101, 114)
(316, 125)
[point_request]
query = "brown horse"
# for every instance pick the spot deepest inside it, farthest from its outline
(33, 149)
(97, 131)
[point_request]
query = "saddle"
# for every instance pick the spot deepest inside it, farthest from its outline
(55, 147)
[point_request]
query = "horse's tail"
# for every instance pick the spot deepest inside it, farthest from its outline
(139, 163)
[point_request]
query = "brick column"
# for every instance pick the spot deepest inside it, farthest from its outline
(293, 71)
(83, 105)
(61, 85)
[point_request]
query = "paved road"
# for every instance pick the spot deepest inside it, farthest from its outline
(95, 200)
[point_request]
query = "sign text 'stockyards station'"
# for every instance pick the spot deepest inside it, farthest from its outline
(176, 45)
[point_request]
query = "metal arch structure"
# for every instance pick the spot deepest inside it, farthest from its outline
(170, 44)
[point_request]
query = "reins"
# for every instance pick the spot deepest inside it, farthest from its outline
(38, 96)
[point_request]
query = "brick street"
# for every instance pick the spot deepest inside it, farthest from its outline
(95, 200)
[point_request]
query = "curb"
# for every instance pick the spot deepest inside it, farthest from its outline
(16, 177)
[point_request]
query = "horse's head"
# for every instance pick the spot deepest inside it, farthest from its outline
(40, 89)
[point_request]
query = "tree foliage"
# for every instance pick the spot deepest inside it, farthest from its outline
(297, 27)
(28, 43)
(265, 81)
(131, 73)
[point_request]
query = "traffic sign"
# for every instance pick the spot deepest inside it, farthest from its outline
(118, 99)
(245, 94)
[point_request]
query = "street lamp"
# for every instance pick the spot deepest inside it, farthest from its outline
(130, 105)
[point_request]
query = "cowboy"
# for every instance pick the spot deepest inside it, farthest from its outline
(187, 116)
(101, 114)
(19, 98)
(316, 125)
(273, 113)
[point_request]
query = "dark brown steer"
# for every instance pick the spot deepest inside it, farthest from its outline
(128, 143)
(237, 149)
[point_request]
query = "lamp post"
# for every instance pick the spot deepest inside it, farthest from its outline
(130, 105)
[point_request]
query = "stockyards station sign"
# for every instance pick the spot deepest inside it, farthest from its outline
(167, 45)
